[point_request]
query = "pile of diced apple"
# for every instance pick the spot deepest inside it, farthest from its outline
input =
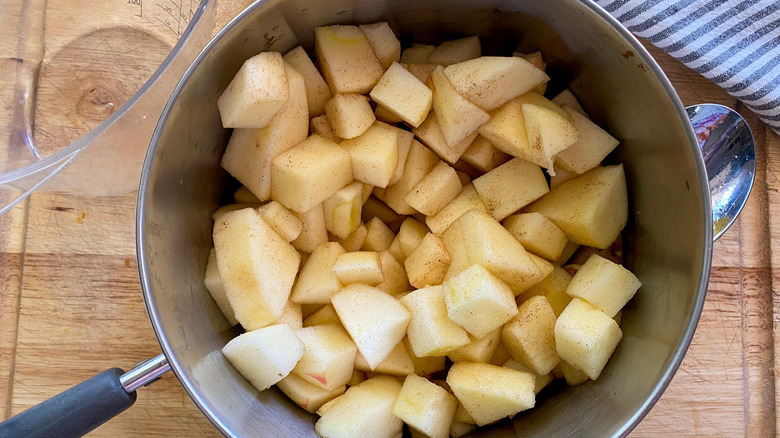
(396, 253)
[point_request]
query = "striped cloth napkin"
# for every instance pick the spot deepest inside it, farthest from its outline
(734, 43)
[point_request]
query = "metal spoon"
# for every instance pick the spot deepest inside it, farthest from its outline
(729, 153)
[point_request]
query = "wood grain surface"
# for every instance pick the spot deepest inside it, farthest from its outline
(71, 305)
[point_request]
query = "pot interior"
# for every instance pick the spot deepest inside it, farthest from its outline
(667, 242)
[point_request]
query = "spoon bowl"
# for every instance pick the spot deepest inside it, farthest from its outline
(729, 153)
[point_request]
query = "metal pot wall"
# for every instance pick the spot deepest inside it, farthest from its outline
(667, 243)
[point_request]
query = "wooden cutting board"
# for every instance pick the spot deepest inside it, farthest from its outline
(71, 305)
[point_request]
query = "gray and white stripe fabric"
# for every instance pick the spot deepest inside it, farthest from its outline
(734, 43)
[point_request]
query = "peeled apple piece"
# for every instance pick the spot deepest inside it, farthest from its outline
(491, 81)
(256, 93)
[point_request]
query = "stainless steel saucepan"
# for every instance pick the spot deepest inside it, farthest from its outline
(667, 243)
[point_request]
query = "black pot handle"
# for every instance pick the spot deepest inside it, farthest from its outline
(82, 408)
(75, 412)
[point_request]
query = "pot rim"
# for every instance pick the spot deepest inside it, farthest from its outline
(639, 51)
